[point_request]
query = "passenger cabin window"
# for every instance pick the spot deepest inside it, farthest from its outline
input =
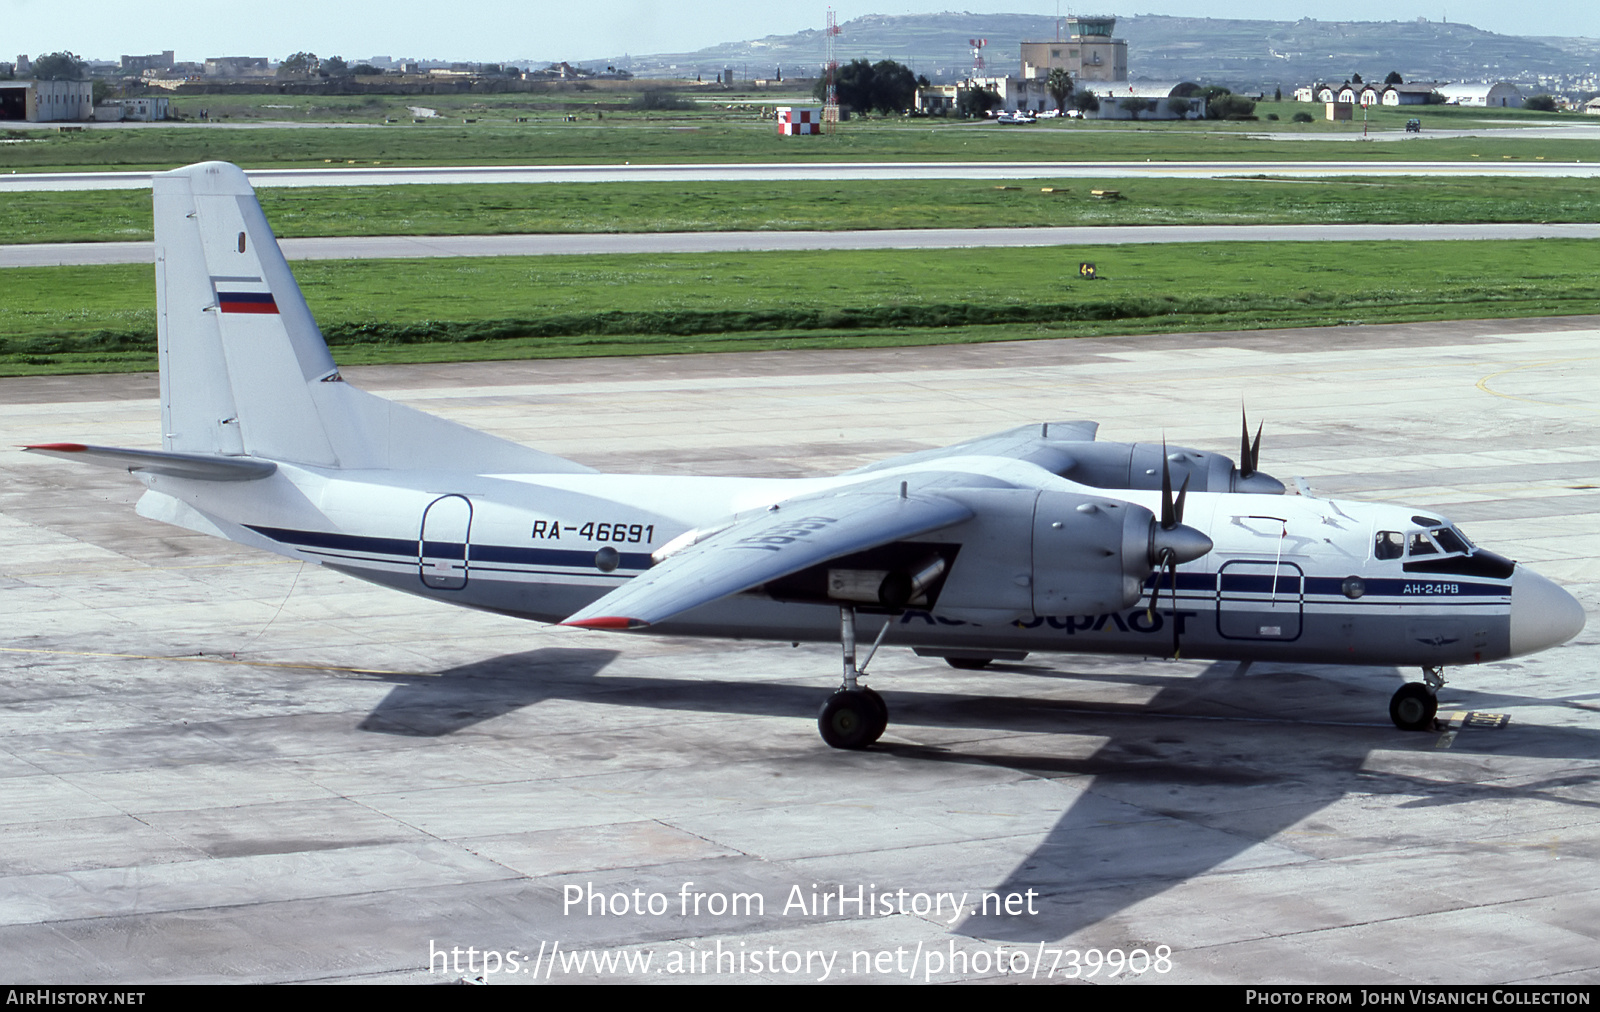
(1389, 545)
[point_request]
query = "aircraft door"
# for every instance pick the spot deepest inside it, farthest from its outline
(1260, 600)
(444, 547)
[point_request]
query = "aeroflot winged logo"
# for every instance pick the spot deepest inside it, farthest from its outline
(243, 295)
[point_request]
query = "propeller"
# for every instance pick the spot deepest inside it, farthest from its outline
(1250, 477)
(1249, 453)
(1169, 542)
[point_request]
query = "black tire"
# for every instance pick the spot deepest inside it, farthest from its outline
(969, 663)
(1413, 707)
(880, 724)
(847, 719)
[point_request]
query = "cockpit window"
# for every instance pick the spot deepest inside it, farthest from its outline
(1451, 541)
(1389, 545)
(1420, 545)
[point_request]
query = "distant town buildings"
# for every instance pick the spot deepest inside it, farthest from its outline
(138, 65)
(239, 67)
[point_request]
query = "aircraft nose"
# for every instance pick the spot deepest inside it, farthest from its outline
(1542, 614)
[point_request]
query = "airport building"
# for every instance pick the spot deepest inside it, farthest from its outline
(1096, 61)
(1148, 100)
(144, 109)
(47, 101)
(1088, 53)
(1500, 95)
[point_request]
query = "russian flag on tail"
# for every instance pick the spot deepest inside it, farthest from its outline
(243, 295)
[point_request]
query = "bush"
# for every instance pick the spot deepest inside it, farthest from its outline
(1230, 107)
(659, 99)
(1302, 117)
(1541, 103)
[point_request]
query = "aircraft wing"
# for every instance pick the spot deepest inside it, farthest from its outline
(1027, 442)
(796, 535)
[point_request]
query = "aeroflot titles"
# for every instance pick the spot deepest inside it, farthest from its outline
(1140, 620)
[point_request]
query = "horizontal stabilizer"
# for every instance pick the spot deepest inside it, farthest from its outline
(199, 466)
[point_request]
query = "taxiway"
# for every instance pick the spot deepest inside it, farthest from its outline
(217, 765)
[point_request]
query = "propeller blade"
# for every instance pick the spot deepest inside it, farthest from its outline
(1255, 451)
(1172, 570)
(1168, 511)
(1177, 509)
(1246, 467)
(1155, 585)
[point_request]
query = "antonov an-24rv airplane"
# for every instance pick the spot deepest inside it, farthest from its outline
(1036, 539)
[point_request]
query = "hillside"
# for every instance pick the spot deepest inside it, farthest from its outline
(1245, 55)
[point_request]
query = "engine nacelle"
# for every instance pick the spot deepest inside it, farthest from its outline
(1085, 554)
(1090, 555)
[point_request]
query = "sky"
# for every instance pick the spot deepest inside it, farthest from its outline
(500, 30)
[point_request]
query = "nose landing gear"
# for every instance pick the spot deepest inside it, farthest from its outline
(1415, 704)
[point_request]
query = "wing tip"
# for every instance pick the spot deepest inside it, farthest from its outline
(607, 622)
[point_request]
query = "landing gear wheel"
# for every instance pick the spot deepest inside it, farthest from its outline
(1413, 707)
(969, 663)
(852, 718)
(880, 723)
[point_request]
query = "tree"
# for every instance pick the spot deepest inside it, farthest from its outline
(365, 70)
(1356, 79)
(1394, 78)
(1060, 85)
(886, 86)
(334, 66)
(61, 66)
(1277, 94)
(1084, 101)
(1541, 103)
(299, 63)
(976, 102)
(894, 87)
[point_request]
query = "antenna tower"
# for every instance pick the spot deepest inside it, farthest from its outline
(977, 55)
(830, 105)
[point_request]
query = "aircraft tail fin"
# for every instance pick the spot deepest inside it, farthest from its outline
(246, 372)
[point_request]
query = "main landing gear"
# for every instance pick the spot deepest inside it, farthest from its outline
(854, 716)
(1415, 703)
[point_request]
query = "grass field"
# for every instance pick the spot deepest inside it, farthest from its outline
(470, 209)
(743, 137)
(441, 310)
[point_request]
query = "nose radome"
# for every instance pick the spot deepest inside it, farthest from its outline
(1542, 614)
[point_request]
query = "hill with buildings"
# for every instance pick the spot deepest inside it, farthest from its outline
(1244, 55)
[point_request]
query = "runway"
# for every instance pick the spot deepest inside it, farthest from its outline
(407, 247)
(222, 766)
(777, 172)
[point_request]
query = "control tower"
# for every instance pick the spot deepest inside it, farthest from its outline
(1088, 53)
